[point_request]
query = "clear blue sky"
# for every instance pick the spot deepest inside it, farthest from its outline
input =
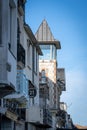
(68, 22)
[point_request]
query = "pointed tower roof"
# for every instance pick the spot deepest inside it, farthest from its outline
(44, 35)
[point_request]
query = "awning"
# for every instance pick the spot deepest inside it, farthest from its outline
(11, 115)
(18, 97)
(6, 88)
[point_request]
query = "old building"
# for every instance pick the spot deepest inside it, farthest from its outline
(11, 103)
(49, 89)
(8, 58)
(17, 105)
(8, 46)
(32, 72)
(30, 82)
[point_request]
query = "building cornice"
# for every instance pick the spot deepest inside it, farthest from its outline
(32, 38)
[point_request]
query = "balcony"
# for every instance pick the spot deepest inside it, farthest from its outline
(61, 79)
(61, 84)
(40, 117)
(22, 90)
(6, 88)
(22, 113)
(47, 118)
(61, 118)
(44, 91)
(10, 109)
(22, 83)
(42, 78)
(37, 115)
(20, 56)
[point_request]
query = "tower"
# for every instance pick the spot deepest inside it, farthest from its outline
(48, 63)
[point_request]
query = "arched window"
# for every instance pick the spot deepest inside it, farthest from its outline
(43, 76)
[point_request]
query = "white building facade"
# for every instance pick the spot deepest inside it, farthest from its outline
(8, 46)
(19, 67)
(30, 82)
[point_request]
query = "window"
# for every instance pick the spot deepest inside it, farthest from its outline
(12, 28)
(35, 59)
(43, 76)
(49, 52)
(28, 52)
(46, 52)
(10, 20)
(53, 52)
(18, 32)
(30, 55)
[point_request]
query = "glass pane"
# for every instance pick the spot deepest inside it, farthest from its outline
(49, 52)
(46, 52)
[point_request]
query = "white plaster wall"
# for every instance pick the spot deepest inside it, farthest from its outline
(50, 67)
(36, 82)
(37, 114)
(7, 57)
(27, 69)
(54, 122)
(31, 127)
(12, 75)
(12, 52)
(19, 126)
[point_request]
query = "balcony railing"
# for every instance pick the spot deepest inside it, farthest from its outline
(61, 79)
(61, 85)
(21, 94)
(40, 116)
(37, 115)
(20, 55)
(10, 109)
(47, 118)
(22, 83)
